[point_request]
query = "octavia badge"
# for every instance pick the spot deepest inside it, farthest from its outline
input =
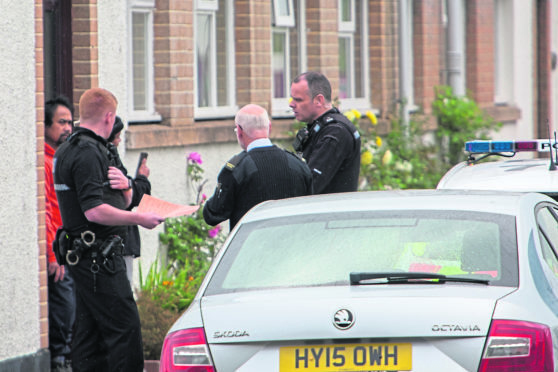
(343, 319)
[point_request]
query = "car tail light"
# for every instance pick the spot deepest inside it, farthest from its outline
(186, 350)
(517, 346)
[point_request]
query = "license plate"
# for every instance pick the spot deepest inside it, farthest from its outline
(346, 357)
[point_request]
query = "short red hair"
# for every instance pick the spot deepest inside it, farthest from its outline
(95, 103)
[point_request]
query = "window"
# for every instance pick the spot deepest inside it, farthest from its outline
(214, 59)
(305, 250)
(289, 51)
(503, 57)
(141, 80)
(548, 232)
(407, 75)
(353, 59)
(283, 13)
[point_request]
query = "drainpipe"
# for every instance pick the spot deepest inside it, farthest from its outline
(455, 47)
(403, 56)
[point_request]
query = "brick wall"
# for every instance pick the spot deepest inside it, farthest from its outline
(253, 52)
(428, 50)
(480, 51)
(39, 103)
(383, 39)
(322, 39)
(174, 61)
(85, 48)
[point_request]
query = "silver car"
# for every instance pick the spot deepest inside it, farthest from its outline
(429, 280)
(508, 173)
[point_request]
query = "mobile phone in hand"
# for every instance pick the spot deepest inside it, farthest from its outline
(143, 155)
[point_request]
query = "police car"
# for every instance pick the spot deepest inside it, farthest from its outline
(407, 280)
(525, 175)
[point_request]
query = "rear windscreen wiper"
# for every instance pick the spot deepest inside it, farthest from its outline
(399, 277)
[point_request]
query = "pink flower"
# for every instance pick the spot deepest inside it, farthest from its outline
(214, 231)
(195, 157)
(204, 197)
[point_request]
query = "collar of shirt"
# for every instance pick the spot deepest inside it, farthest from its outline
(261, 142)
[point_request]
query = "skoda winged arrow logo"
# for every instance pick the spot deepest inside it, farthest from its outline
(343, 319)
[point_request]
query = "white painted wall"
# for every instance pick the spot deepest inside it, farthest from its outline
(19, 287)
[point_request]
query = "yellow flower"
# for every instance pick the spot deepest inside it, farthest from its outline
(378, 141)
(366, 158)
(386, 159)
(356, 113)
(373, 119)
(290, 99)
(350, 115)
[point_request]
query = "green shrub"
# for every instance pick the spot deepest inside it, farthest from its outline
(459, 120)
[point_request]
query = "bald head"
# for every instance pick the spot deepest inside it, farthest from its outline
(252, 123)
(253, 120)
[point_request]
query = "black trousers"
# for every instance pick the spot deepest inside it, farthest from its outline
(61, 315)
(107, 335)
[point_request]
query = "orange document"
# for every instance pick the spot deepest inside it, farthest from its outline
(163, 208)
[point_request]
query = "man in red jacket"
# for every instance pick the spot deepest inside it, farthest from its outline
(61, 297)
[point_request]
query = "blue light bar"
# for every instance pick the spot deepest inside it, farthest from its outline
(486, 147)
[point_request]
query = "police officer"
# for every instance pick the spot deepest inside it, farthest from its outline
(140, 186)
(107, 333)
(330, 143)
(261, 172)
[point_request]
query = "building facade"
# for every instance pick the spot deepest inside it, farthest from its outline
(181, 69)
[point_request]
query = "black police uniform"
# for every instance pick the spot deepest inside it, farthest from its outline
(107, 336)
(332, 150)
(249, 178)
(140, 186)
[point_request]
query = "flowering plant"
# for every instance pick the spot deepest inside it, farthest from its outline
(399, 159)
(405, 158)
(191, 242)
(168, 289)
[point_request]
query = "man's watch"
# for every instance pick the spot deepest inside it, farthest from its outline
(129, 184)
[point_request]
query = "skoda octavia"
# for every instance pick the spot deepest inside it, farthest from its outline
(431, 280)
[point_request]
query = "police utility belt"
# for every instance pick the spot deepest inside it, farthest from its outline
(69, 250)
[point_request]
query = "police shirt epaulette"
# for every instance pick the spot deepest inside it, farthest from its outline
(235, 160)
(299, 157)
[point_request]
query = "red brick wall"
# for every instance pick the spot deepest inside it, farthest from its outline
(85, 48)
(427, 45)
(174, 61)
(41, 233)
(383, 64)
(253, 52)
(322, 39)
(480, 51)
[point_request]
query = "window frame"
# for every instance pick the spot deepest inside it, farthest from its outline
(409, 63)
(358, 103)
(283, 20)
(146, 8)
(503, 52)
(346, 26)
(280, 105)
(214, 111)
